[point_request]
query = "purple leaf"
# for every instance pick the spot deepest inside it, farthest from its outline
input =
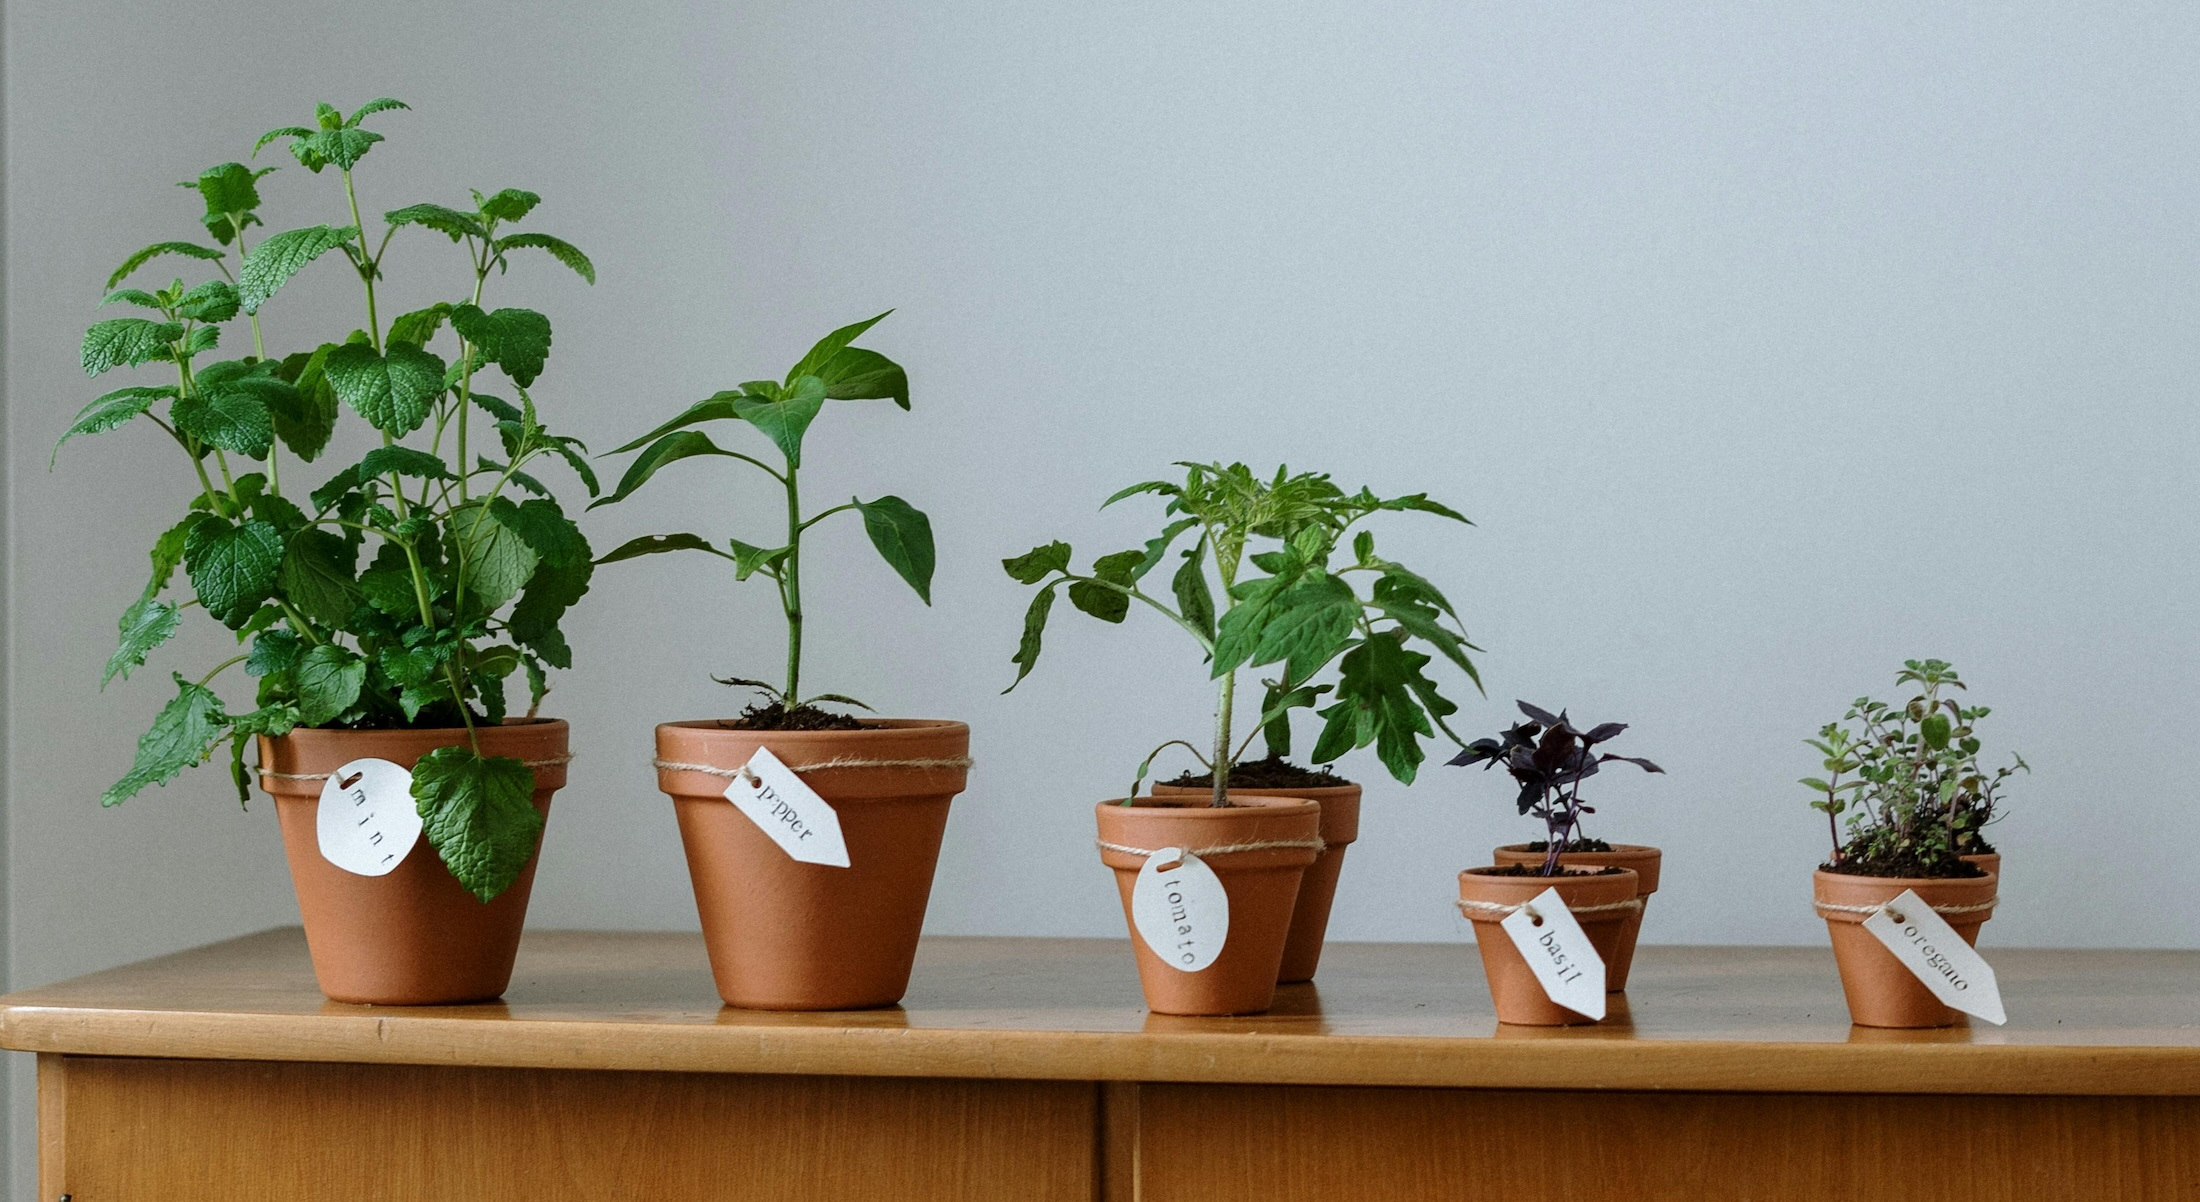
(1609, 730)
(1638, 762)
(1543, 716)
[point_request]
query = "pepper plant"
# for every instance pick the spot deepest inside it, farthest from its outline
(1292, 605)
(1909, 779)
(404, 589)
(782, 411)
(1549, 758)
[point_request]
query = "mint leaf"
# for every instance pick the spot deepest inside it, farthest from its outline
(232, 567)
(280, 256)
(329, 680)
(213, 300)
(1038, 563)
(441, 219)
(110, 411)
(168, 552)
(183, 734)
(550, 592)
(547, 530)
(126, 340)
(517, 340)
(393, 391)
(903, 536)
(403, 461)
(317, 577)
(234, 419)
(190, 250)
(377, 105)
(479, 814)
(420, 325)
(274, 653)
(228, 188)
(145, 625)
(494, 562)
(511, 204)
(557, 248)
(307, 418)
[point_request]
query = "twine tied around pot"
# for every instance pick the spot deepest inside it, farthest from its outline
(1221, 849)
(1500, 909)
(838, 761)
(268, 774)
(1824, 907)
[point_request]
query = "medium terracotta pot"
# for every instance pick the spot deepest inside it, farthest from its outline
(1880, 991)
(414, 937)
(1519, 997)
(1645, 861)
(786, 935)
(1302, 950)
(1263, 887)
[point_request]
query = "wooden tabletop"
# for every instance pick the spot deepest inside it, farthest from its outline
(1707, 1018)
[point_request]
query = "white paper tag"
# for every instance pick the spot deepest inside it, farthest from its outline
(1180, 909)
(367, 822)
(1932, 950)
(1558, 952)
(797, 819)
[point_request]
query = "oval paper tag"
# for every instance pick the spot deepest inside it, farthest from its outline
(368, 820)
(1180, 909)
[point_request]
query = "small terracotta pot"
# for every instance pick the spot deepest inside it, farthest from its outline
(786, 935)
(1302, 951)
(1519, 997)
(1263, 887)
(1645, 861)
(414, 937)
(1880, 991)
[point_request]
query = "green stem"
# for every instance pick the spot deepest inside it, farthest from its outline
(790, 584)
(299, 623)
(366, 264)
(1223, 760)
(819, 517)
(221, 667)
(466, 384)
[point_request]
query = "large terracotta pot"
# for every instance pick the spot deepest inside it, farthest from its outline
(1600, 901)
(1302, 950)
(414, 937)
(1262, 885)
(1645, 861)
(1880, 991)
(787, 935)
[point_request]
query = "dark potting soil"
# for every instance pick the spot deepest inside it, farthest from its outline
(1537, 870)
(1271, 773)
(1912, 866)
(1576, 845)
(774, 715)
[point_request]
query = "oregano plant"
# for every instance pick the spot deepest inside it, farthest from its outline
(833, 370)
(405, 588)
(1909, 778)
(1287, 552)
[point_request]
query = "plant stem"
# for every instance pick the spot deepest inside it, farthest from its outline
(366, 264)
(790, 588)
(1223, 760)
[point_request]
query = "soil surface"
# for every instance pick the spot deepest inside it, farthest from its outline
(773, 715)
(1576, 845)
(1271, 773)
(1537, 870)
(1915, 867)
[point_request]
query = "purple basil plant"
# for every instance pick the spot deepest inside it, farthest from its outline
(1550, 759)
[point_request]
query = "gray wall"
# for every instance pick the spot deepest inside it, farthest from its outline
(1768, 345)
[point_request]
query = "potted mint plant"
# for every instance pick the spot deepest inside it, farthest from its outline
(382, 612)
(1917, 799)
(1605, 887)
(1268, 580)
(812, 884)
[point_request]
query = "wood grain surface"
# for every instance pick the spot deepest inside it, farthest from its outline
(1696, 1019)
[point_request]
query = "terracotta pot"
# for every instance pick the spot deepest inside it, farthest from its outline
(1519, 997)
(786, 935)
(1302, 950)
(1880, 991)
(1645, 861)
(414, 937)
(1263, 887)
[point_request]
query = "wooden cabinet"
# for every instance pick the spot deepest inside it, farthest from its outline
(1027, 1070)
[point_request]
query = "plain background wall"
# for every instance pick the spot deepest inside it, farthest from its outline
(1767, 346)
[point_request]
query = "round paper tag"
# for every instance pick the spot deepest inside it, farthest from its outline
(368, 821)
(1180, 909)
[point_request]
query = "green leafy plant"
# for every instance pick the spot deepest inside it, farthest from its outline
(834, 370)
(1909, 779)
(406, 588)
(1297, 610)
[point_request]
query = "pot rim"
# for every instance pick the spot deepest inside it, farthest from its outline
(1983, 880)
(1618, 849)
(875, 726)
(1263, 790)
(1496, 872)
(340, 731)
(1258, 801)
